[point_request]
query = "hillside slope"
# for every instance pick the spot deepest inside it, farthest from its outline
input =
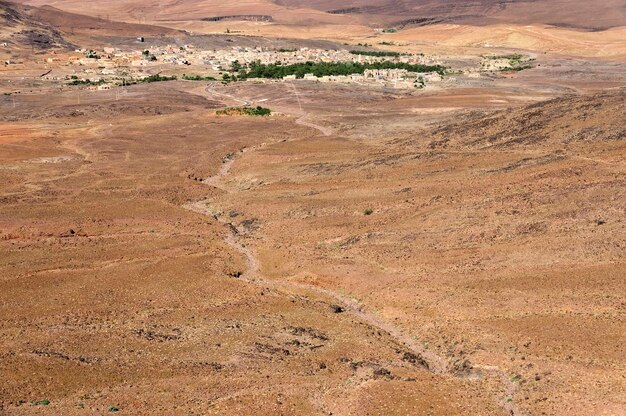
(567, 13)
(19, 29)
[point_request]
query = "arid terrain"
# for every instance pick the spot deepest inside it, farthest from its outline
(451, 248)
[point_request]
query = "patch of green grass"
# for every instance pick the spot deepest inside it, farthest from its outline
(43, 402)
(516, 378)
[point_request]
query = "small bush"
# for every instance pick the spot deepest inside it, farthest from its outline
(86, 82)
(158, 78)
(368, 211)
(245, 111)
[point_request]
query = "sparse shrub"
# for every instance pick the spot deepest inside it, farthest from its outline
(368, 211)
(113, 409)
(158, 78)
(198, 78)
(245, 111)
(86, 82)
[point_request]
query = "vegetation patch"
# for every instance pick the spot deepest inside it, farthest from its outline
(320, 69)
(198, 78)
(86, 82)
(245, 111)
(157, 78)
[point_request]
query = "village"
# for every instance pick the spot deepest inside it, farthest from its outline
(111, 66)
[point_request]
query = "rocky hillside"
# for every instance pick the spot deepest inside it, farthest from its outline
(566, 13)
(19, 28)
(560, 123)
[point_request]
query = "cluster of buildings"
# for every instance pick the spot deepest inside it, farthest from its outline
(112, 65)
(398, 78)
(223, 58)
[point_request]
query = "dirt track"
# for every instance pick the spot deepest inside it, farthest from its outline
(431, 361)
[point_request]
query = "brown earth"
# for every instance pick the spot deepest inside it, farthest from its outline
(498, 240)
(129, 294)
(487, 278)
(365, 250)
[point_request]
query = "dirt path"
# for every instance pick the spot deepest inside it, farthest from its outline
(303, 115)
(324, 130)
(433, 362)
(210, 89)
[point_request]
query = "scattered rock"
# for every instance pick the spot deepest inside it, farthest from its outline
(157, 336)
(415, 359)
(311, 332)
(270, 349)
(337, 309)
(462, 367)
(382, 373)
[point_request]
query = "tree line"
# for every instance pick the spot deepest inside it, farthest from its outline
(320, 69)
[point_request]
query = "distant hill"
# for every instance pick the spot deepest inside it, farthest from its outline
(151, 18)
(583, 14)
(19, 28)
(580, 14)
(30, 27)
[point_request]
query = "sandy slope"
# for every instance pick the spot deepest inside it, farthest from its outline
(305, 23)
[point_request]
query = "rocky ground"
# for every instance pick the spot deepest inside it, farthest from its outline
(364, 250)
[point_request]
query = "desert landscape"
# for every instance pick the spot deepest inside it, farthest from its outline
(313, 207)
